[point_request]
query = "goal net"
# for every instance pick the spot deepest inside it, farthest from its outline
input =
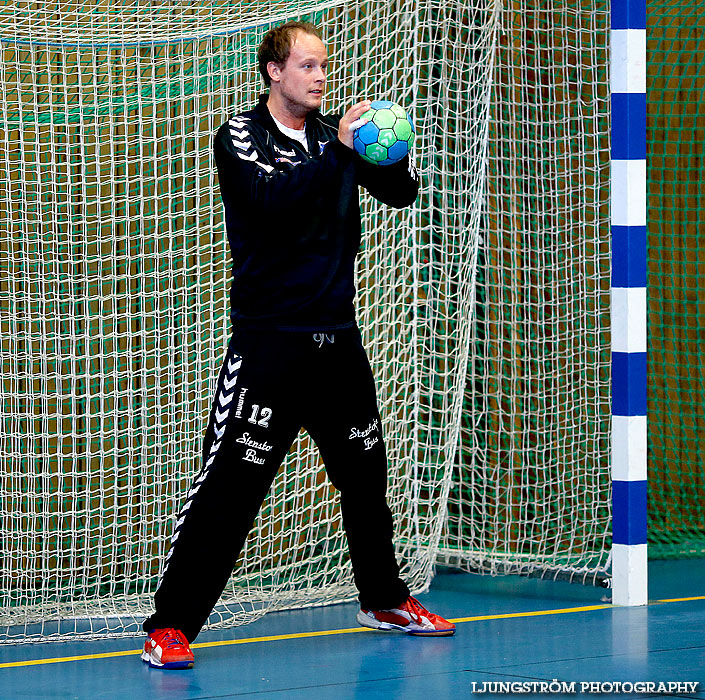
(114, 272)
(531, 488)
(676, 173)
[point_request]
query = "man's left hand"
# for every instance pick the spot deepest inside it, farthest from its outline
(345, 134)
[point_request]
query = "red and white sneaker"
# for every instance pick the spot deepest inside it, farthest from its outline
(167, 648)
(410, 617)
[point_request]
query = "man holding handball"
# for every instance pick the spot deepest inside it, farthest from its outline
(289, 182)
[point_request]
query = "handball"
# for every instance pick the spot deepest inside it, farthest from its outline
(387, 136)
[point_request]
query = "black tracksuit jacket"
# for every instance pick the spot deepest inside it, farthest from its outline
(293, 219)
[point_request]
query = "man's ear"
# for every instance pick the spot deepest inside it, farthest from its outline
(274, 70)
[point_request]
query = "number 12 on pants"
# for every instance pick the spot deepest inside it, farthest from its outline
(260, 417)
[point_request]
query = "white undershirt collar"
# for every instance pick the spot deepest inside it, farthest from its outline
(296, 134)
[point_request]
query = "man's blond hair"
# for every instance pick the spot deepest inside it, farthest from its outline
(276, 45)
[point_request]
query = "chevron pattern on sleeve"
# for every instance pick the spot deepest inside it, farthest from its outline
(243, 145)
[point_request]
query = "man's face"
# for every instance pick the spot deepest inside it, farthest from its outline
(301, 80)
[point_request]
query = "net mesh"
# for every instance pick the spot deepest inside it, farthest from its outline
(531, 491)
(113, 288)
(676, 267)
(484, 308)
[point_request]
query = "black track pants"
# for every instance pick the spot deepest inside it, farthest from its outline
(271, 384)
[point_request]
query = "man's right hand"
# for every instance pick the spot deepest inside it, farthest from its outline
(352, 115)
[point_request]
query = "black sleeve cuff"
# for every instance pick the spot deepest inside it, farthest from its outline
(344, 154)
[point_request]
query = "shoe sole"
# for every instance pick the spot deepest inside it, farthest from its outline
(173, 666)
(434, 633)
(370, 622)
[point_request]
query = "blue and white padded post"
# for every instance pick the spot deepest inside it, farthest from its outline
(628, 316)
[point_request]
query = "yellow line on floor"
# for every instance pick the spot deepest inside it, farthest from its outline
(681, 600)
(62, 659)
(534, 613)
(280, 637)
(199, 645)
(323, 633)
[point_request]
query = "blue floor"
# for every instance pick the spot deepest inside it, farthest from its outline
(663, 642)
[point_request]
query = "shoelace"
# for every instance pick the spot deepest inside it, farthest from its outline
(415, 609)
(171, 638)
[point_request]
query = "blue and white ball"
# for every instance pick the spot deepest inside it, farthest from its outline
(388, 135)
